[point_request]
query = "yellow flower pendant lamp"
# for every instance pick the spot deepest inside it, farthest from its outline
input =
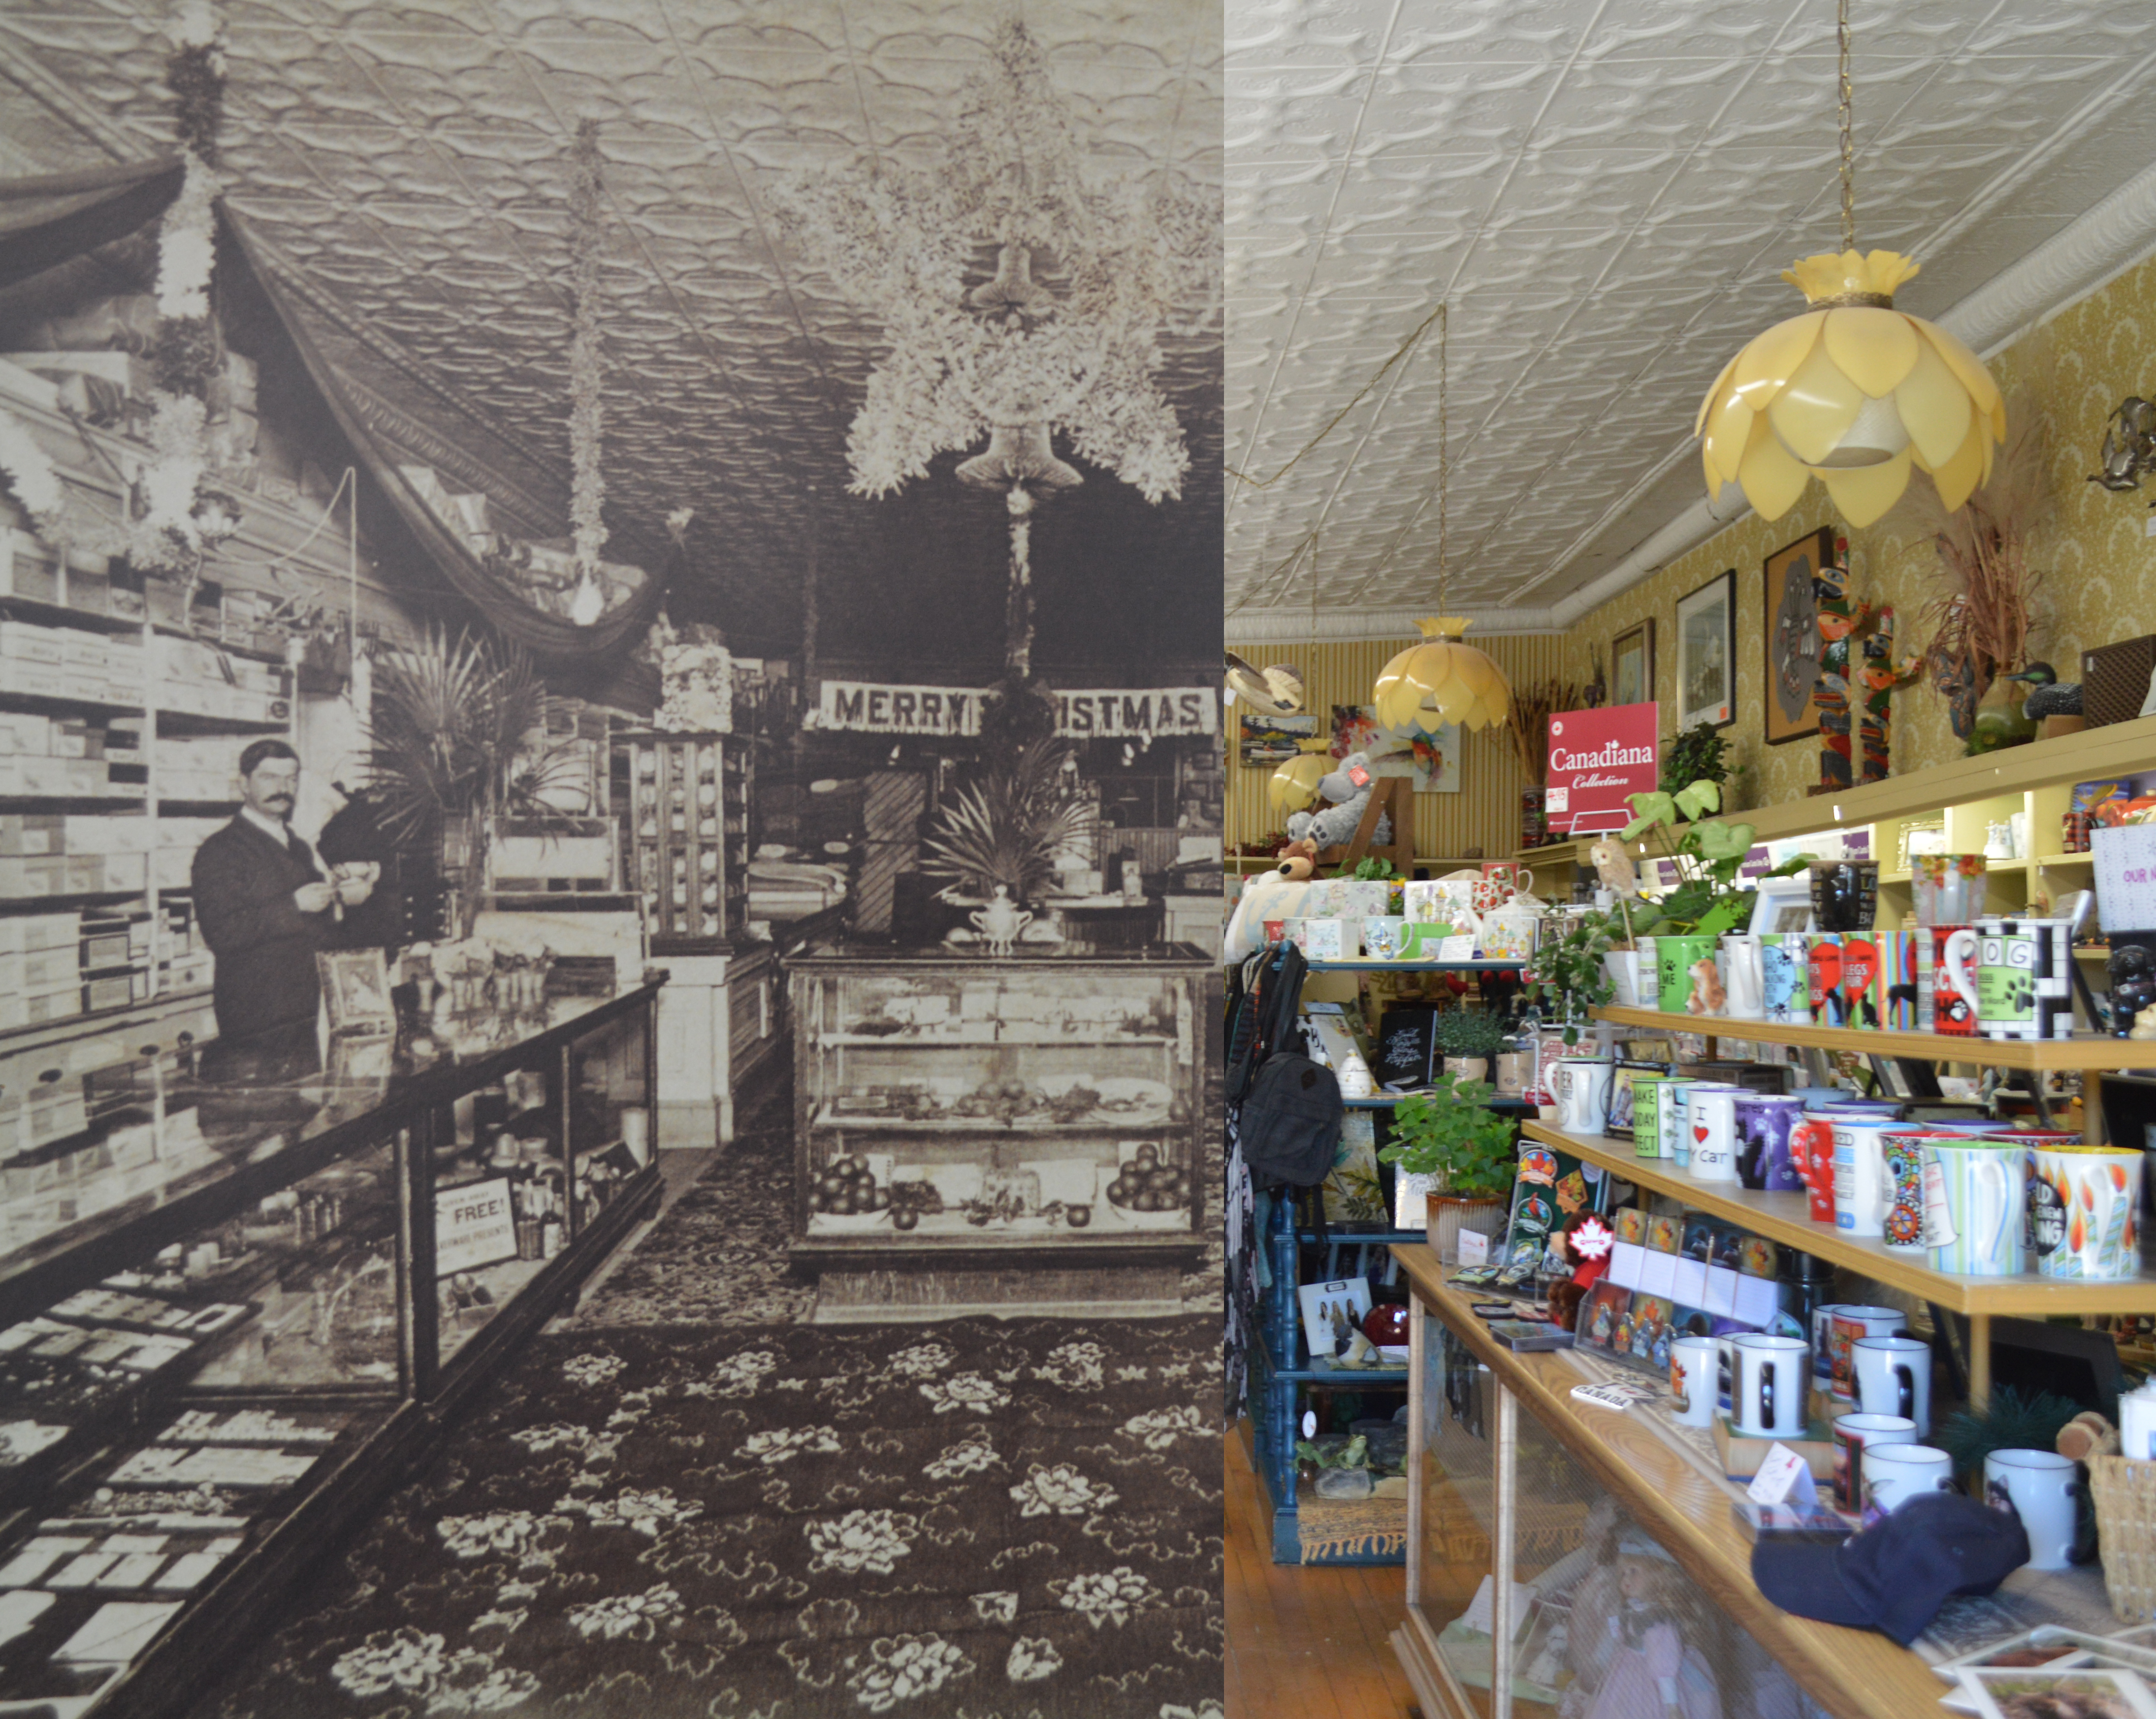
(1443, 674)
(1853, 392)
(1294, 786)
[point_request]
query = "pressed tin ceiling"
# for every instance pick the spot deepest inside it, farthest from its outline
(410, 157)
(1605, 191)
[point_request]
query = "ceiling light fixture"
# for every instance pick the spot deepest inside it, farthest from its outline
(1443, 673)
(1294, 786)
(1853, 391)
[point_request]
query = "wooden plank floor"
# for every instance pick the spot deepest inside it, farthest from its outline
(1305, 1643)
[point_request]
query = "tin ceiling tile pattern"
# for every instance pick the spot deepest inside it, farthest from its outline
(411, 155)
(1606, 191)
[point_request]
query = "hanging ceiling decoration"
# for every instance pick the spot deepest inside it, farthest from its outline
(1293, 786)
(1853, 391)
(1015, 357)
(1443, 673)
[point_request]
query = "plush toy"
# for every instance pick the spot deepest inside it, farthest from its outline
(1335, 823)
(1708, 996)
(1269, 894)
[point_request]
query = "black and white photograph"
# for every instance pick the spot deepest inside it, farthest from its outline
(621, 609)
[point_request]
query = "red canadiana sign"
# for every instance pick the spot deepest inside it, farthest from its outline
(1596, 758)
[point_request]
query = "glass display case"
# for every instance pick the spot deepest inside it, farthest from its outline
(240, 1299)
(685, 834)
(1045, 1107)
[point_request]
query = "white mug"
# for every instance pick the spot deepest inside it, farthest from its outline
(2039, 1486)
(1710, 1132)
(1770, 1385)
(1893, 1376)
(1743, 978)
(1696, 1377)
(1894, 1474)
(1851, 1323)
(1853, 1435)
(2136, 1422)
(1582, 1091)
(1862, 1191)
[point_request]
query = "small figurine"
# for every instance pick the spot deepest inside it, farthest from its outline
(1707, 995)
(1000, 922)
(1613, 866)
(2046, 696)
(1882, 673)
(2131, 968)
(1841, 619)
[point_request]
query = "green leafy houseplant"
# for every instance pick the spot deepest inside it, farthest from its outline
(1470, 1033)
(1706, 901)
(1453, 1135)
(1375, 868)
(1696, 755)
(1569, 977)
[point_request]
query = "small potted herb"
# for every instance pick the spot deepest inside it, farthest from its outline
(1451, 1134)
(1570, 977)
(1469, 1038)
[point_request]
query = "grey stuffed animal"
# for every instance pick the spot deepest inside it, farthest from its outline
(1336, 822)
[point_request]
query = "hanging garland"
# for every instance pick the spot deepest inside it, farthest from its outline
(32, 476)
(587, 484)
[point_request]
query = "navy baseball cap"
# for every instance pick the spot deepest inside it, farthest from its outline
(1894, 1576)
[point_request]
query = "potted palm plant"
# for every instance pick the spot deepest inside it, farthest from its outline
(1453, 1135)
(1007, 830)
(459, 739)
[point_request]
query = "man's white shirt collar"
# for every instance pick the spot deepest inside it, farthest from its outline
(277, 833)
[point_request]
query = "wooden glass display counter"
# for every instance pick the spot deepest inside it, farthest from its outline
(1605, 1556)
(241, 1302)
(984, 1134)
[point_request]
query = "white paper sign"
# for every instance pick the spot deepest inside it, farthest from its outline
(1658, 1273)
(1757, 1302)
(1720, 1290)
(1784, 1478)
(474, 1225)
(1474, 1248)
(2125, 877)
(1627, 1259)
(1480, 1614)
(1688, 1284)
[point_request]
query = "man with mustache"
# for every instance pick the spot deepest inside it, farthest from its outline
(263, 905)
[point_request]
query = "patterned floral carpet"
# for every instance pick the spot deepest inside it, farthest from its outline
(687, 1503)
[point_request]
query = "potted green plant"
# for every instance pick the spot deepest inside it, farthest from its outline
(1569, 975)
(1452, 1134)
(1469, 1038)
(1008, 828)
(1695, 755)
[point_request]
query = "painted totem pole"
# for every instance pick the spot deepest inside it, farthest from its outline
(1841, 619)
(1882, 673)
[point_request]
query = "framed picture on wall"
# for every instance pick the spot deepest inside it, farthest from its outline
(1707, 654)
(1790, 621)
(1632, 666)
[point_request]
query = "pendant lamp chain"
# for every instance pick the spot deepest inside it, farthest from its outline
(1444, 457)
(1848, 143)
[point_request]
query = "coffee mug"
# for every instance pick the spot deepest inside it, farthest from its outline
(1383, 937)
(1853, 1434)
(1893, 1376)
(1676, 962)
(1582, 1091)
(1861, 1187)
(1894, 1474)
(1658, 1114)
(1946, 889)
(1513, 1072)
(1902, 1164)
(1851, 1324)
(2084, 1206)
(1743, 981)
(1845, 894)
(1695, 1373)
(1811, 1153)
(1276, 932)
(1822, 971)
(1946, 981)
(2024, 978)
(1975, 1190)
(1823, 1344)
(2040, 1487)
(1763, 1122)
(1785, 994)
(1770, 1383)
(1710, 1132)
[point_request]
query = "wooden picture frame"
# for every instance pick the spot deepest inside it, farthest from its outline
(1707, 654)
(1632, 664)
(356, 985)
(1790, 635)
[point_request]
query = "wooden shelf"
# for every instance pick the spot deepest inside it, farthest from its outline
(1854, 1674)
(1786, 1218)
(1419, 966)
(2086, 1051)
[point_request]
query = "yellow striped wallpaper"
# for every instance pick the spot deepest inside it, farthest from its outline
(1485, 814)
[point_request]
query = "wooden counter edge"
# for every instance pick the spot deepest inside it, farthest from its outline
(1855, 1673)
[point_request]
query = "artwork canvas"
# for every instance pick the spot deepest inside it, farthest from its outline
(1789, 623)
(1632, 666)
(1270, 741)
(1354, 1193)
(1330, 1310)
(1707, 654)
(1433, 753)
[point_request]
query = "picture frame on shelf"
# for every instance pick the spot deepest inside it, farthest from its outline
(1920, 837)
(1781, 904)
(356, 990)
(1330, 1310)
(1790, 635)
(1632, 664)
(1706, 653)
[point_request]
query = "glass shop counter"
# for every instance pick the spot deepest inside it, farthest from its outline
(239, 1303)
(975, 1132)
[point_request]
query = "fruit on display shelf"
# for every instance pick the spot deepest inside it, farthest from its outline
(847, 1187)
(1145, 1184)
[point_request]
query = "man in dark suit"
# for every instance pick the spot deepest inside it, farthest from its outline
(262, 904)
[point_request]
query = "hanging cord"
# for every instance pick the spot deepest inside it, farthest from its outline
(1848, 145)
(1332, 424)
(1444, 456)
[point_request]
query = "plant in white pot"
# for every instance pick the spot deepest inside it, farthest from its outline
(1452, 1134)
(1469, 1038)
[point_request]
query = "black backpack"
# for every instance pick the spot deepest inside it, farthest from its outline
(1291, 1114)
